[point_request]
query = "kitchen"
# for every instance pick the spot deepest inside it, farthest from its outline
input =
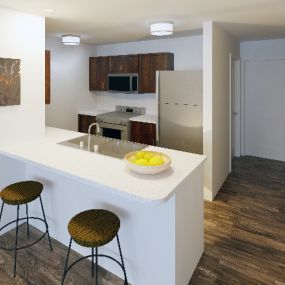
(168, 233)
(132, 124)
(79, 113)
(145, 204)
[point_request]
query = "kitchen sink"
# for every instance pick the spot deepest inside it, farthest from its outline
(103, 145)
(118, 148)
(86, 142)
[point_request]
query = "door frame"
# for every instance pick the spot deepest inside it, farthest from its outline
(236, 97)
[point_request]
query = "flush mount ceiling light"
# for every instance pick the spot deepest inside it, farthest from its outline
(70, 40)
(161, 29)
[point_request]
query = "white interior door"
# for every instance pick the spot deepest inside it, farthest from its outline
(265, 108)
(232, 107)
(236, 109)
(235, 123)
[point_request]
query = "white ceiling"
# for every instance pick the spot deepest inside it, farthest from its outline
(111, 21)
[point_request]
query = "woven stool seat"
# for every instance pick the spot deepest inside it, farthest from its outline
(94, 228)
(21, 192)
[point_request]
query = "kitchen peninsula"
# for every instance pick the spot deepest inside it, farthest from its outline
(162, 232)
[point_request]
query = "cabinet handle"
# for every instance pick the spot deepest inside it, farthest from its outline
(121, 67)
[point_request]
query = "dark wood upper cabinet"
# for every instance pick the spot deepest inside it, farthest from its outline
(148, 65)
(98, 73)
(145, 65)
(124, 64)
(144, 133)
(47, 77)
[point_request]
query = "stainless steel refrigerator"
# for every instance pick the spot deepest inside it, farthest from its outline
(180, 100)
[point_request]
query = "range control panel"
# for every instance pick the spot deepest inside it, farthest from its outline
(134, 110)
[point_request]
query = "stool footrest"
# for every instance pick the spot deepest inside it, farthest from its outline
(90, 256)
(28, 245)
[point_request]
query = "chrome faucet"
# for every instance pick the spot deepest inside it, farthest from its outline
(97, 128)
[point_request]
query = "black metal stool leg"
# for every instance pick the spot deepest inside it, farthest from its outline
(45, 222)
(66, 262)
(1, 210)
(92, 265)
(27, 214)
(16, 241)
(97, 273)
(122, 260)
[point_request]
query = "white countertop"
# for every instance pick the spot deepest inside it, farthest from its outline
(95, 168)
(145, 119)
(93, 112)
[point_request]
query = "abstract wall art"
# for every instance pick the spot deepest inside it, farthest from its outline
(10, 82)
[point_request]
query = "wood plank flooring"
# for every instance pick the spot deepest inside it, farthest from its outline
(244, 237)
(37, 265)
(245, 227)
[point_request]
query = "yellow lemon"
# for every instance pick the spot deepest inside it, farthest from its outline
(141, 161)
(140, 154)
(148, 156)
(156, 160)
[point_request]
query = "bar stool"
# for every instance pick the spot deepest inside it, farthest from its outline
(17, 194)
(94, 228)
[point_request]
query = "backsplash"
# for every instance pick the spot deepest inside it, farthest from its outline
(108, 101)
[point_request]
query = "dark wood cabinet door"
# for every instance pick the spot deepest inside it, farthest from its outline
(148, 65)
(84, 122)
(93, 73)
(103, 75)
(47, 77)
(144, 133)
(124, 64)
(98, 73)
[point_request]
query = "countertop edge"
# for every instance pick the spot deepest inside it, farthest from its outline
(110, 188)
(149, 119)
(90, 182)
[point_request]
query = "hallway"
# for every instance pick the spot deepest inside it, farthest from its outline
(245, 227)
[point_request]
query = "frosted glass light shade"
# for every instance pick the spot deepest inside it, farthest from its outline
(70, 40)
(161, 29)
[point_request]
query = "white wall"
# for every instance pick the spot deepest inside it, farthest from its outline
(265, 49)
(263, 65)
(216, 49)
(69, 83)
(23, 37)
(264, 108)
(188, 54)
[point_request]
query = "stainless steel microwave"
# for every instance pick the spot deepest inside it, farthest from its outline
(123, 82)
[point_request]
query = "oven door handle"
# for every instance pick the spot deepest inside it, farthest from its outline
(113, 126)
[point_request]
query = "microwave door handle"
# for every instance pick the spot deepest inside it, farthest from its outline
(131, 83)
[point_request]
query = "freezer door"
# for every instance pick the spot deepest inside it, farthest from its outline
(181, 127)
(183, 87)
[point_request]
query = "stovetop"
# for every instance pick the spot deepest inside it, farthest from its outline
(121, 116)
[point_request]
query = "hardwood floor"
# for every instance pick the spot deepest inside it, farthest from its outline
(245, 227)
(37, 265)
(244, 237)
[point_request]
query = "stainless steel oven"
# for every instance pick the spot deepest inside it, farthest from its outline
(116, 124)
(114, 131)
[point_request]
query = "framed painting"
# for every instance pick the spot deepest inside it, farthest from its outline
(10, 82)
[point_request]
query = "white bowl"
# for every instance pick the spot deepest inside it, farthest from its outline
(148, 169)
